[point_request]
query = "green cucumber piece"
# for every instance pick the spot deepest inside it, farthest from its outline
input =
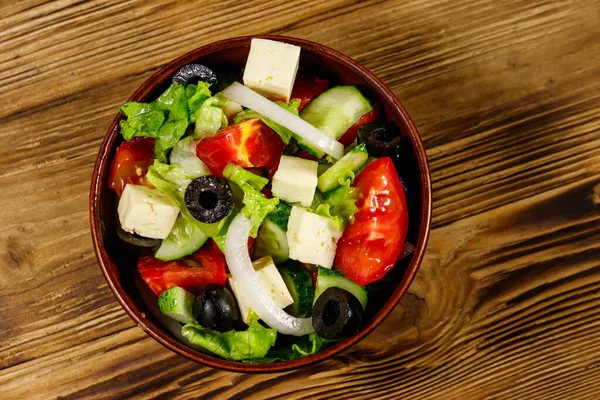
(271, 241)
(344, 169)
(327, 278)
(280, 215)
(184, 155)
(183, 240)
(334, 112)
(299, 282)
(177, 303)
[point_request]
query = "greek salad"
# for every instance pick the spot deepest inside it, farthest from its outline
(262, 203)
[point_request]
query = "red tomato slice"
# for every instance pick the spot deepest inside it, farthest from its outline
(192, 273)
(249, 143)
(131, 163)
(307, 89)
(370, 246)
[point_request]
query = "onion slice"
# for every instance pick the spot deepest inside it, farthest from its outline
(247, 97)
(240, 266)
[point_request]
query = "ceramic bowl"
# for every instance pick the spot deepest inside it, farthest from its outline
(118, 264)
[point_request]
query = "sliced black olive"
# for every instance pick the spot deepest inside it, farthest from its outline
(194, 71)
(132, 238)
(216, 308)
(208, 199)
(381, 138)
(336, 314)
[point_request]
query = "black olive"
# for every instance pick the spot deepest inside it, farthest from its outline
(132, 238)
(208, 199)
(336, 314)
(215, 308)
(197, 71)
(381, 139)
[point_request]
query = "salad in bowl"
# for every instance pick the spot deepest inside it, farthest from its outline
(261, 205)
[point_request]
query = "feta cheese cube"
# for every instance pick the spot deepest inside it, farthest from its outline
(146, 211)
(271, 68)
(312, 238)
(271, 279)
(295, 180)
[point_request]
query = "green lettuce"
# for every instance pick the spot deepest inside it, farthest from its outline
(283, 132)
(253, 343)
(306, 345)
(338, 204)
(165, 119)
(172, 181)
(256, 205)
(196, 96)
(210, 117)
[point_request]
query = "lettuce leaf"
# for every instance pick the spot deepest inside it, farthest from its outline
(283, 132)
(256, 205)
(338, 204)
(172, 181)
(253, 343)
(195, 99)
(210, 117)
(165, 119)
(306, 345)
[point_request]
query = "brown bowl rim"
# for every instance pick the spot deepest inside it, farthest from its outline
(180, 348)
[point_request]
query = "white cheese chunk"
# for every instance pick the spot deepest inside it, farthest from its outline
(146, 211)
(295, 180)
(272, 281)
(312, 238)
(271, 68)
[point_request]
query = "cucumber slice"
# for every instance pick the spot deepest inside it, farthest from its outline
(299, 283)
(280, 215)
(177, 303)
(184, 155)
(334, 112)
(327, 278)
(271, 241)
(343, 169)
(183, 240)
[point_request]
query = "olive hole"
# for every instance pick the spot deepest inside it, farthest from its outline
(208, 199)
(331, 312)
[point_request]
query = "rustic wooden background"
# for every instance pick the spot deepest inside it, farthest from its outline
(506, 96)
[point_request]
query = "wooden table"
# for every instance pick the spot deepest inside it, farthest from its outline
(506, 96)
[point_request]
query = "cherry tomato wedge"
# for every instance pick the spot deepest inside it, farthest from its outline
(131, 163)
(192, 273)
(370, 246)
(249, 143)
(307, 89)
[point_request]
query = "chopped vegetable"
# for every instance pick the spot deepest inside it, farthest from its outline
(327, 278)
(177, 303)
(256, 205)
(283, 132)
(250, 344)
(342, 172)
(249, 143)
(299, 282)
(333, 113)
(370, 246)
(131, 163)
(308, 133)
(240, 266)
(191, 273)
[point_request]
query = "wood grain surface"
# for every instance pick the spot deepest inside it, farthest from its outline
(506, 96)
